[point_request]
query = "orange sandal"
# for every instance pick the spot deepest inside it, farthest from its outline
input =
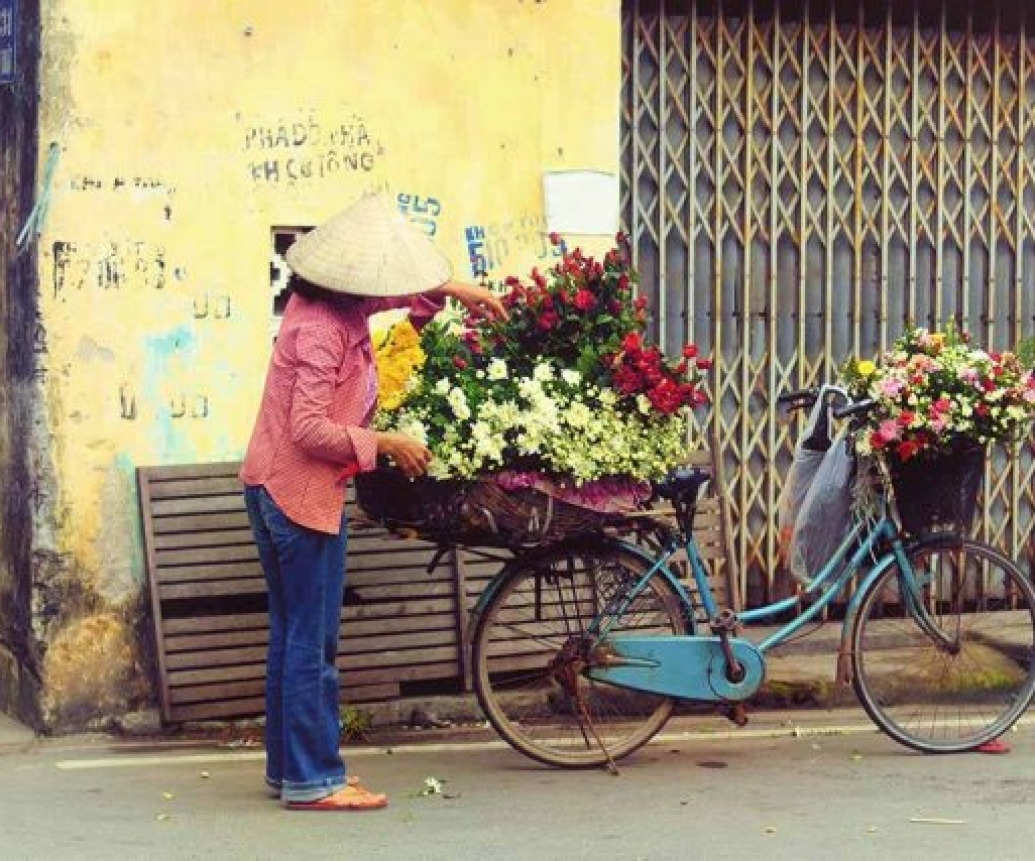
(351, 797)
(274, 791)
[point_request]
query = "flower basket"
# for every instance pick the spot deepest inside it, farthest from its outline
(477, 512)
(427, 505)
(939, 494)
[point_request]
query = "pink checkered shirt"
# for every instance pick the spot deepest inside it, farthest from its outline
(315, 411)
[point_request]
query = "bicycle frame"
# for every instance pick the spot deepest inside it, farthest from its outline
(829, 583)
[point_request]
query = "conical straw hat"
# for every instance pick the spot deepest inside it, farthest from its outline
(369, 249)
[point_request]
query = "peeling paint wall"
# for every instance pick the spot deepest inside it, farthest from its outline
(19, 657)
(186, 131)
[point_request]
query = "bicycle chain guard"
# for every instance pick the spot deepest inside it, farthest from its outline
(690, 668)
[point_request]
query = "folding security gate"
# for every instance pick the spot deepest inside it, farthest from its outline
(802, 180)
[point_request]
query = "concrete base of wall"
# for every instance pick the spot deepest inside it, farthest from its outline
(19, 692)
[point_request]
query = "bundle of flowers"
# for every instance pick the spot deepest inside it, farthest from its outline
(934, 391)
(564, 395)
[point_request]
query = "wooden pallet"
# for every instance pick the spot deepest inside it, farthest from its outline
(403, 628)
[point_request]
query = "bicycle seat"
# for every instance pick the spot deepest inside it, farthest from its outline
(681, 485)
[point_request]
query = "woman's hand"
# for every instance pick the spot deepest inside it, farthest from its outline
(411, 456)
(480, 301)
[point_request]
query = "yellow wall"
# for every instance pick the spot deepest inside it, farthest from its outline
(186, 130)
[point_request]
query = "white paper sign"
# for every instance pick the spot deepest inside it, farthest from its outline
(581, 201)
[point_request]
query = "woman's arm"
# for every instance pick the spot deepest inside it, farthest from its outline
(480, 301)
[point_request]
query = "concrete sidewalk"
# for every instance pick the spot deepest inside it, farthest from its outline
(800, 676)
(14, 736)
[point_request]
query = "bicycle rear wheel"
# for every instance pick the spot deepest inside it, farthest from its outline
(533, 648)
(958, 672)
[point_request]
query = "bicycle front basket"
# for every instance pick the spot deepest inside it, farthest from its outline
(938, 494)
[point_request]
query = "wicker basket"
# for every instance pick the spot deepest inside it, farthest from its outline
(939, 494)
(479, 512)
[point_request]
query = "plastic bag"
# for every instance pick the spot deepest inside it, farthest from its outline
(808, 455)
(826, 512)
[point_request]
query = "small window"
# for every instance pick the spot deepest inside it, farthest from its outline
(282, 238)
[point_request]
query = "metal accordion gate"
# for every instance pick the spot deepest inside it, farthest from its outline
(801, 182)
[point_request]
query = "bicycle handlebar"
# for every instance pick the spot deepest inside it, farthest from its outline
(791, 398)
(804, 398)
(857, 409)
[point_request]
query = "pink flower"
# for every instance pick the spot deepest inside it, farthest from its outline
(888, 430)
(890, 387)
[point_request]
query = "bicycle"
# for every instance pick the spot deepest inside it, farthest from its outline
(583, 648)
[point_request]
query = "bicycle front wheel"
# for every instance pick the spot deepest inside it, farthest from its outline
(945, 661)
(534, 645)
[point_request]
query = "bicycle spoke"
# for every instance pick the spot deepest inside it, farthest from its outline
(533, 648)
(963, 673)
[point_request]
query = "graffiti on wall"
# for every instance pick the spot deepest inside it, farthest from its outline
(489, 245)
(422, 211)
(134, 189)
(110, 265)
(306, 149)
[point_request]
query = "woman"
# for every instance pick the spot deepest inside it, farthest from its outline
(312, 433)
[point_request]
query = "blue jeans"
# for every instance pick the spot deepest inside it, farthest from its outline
(305, 578)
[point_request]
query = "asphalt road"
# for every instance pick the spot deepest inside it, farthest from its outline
(806, 785)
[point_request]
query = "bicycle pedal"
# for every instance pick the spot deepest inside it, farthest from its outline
(736, 714)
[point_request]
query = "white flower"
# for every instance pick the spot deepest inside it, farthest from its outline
(458, 403)
(543, 372)
(571, 376)
(579, 416)
(413, 426)
(497, 369)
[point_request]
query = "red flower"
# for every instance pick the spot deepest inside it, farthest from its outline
(690, 351)
(624, 283)
(666, 397)
(459, 362)
(547, 320)
(905, 418)
(632, 342)
(555, 238)
(627, 381)
(585, 300)
(906, 449)
(704, 364)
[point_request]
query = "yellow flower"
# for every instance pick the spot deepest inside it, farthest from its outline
(398, 356)
(866, 367)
